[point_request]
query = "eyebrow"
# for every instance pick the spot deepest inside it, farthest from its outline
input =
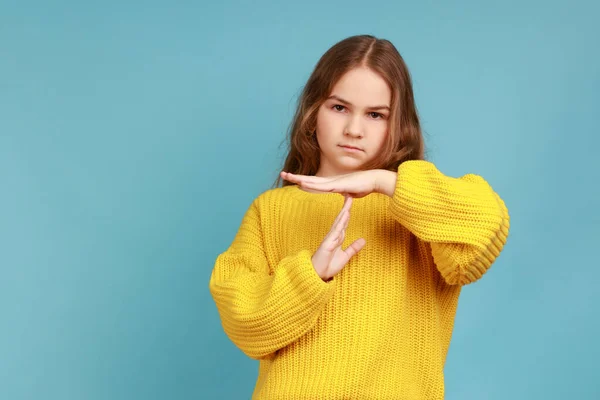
(334, 97)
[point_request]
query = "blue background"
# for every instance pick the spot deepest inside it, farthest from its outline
(133, 136)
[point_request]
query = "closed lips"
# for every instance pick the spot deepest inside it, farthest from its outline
(350, 147)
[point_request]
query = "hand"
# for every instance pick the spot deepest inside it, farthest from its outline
(330, 258)
(355, 184)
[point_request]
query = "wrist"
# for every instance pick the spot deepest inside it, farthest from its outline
(385, 182)
(318, 270)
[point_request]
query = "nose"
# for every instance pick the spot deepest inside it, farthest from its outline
(353, 128)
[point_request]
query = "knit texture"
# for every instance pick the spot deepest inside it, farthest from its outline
(381, 328)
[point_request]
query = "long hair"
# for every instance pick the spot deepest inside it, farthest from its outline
(404, 141)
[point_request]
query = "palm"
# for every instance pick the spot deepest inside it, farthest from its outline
(338, 260)
(355, 184)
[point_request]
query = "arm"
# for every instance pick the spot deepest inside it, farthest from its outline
(262, 312)
(465, 222)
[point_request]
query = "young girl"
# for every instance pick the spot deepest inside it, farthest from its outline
(344, 282)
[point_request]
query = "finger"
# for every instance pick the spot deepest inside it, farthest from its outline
(338, 217)
(329, 187)
(340, 235)
(342, 222)
(312, 178)
(346, 208)
(347, 220)
(305, 178)
(292, 177)
(339, 226)
(332, 240)
(355, 247)
(336, 225)
(347, 205)
(326, 184)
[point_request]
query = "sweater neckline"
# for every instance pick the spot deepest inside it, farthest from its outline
(323, 197)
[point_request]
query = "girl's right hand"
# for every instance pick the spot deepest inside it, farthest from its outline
(330, 258)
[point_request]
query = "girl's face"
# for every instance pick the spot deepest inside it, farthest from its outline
(355, 114)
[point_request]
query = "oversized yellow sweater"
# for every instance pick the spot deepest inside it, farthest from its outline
(381, 328)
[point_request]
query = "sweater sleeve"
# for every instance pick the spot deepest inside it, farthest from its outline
(465, 222)
(264, 309)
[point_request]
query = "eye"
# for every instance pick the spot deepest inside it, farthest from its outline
(376, 115)
(338, 105)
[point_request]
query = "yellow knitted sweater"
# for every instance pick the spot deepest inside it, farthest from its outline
(381, 328)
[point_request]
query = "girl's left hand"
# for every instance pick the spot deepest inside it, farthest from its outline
(355, 184)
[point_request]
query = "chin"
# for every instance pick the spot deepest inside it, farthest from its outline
(350, 167)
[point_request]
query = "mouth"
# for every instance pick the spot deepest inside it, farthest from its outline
(350, 148)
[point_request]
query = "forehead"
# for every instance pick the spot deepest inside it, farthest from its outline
(362, 87)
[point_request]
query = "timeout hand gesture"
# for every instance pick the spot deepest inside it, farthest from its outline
(330, 258)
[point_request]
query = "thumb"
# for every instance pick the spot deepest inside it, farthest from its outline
(355, 247)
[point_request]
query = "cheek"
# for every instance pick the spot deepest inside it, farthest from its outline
(383, 130)
(380, 133)
(327, 124)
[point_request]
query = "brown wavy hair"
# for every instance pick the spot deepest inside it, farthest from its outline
(405, 141)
